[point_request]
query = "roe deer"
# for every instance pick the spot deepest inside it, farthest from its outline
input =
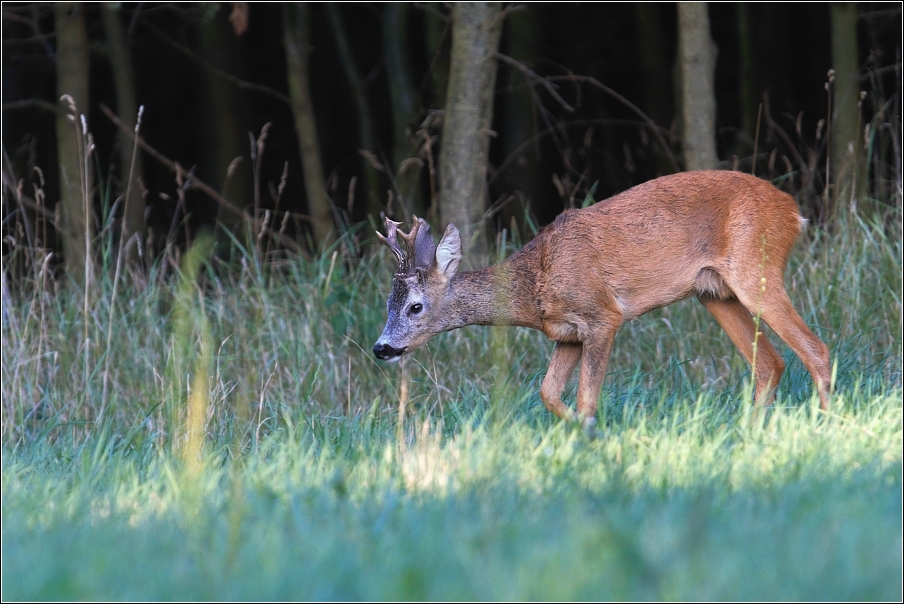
(722, 236)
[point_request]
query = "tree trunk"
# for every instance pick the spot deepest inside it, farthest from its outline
(437, 51)
(362, 108)
(657, 102)
(297, 39)
(75, 178)
(464, 158)
(847, 163)
(747, 92)
(697, 68)
(223, 121)
(401, 91)
(131, 168)
(519, 124)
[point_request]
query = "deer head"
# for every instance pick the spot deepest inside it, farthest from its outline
(419, 288)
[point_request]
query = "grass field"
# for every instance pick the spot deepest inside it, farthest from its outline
(238, 440)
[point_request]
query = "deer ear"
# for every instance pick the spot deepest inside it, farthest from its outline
(448, 252)
(424, 245)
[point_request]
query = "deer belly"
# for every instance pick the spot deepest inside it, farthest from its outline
(642, 295)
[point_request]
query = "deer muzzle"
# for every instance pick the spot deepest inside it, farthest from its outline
(385, 352)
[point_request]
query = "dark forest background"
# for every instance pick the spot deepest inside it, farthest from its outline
(585, 105)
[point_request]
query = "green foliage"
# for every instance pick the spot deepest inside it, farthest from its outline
(312, 483)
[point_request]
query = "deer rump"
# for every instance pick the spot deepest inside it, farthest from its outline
(722, 236)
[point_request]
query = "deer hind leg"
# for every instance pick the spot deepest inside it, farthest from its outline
(564, 359)
(784, 320)
(775, 308)
(735, 319)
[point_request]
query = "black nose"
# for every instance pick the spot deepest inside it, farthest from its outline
(385, 351)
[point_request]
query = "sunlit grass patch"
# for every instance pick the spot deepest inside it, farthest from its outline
(804, 507)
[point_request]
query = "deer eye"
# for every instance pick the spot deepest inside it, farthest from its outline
(415, 308)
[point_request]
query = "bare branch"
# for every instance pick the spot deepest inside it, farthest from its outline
(37, 38)
(30, 104)
(551, 130)
(427, 7)
(653, 127)
(238, 82)
(508, 10)
(530, 74)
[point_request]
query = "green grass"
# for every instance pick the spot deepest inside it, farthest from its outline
(291, 476)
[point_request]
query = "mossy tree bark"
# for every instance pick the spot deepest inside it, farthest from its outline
(468, 117)
(298, 39)
(697, 70)
(75, 177)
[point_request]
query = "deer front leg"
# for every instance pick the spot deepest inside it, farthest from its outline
(564, 359)
(593, 370)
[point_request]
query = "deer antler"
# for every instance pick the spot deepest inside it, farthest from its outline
(391, 242)
(410, 236)
(419, 245)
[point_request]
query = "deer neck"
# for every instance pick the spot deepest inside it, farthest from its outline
(502, 294)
